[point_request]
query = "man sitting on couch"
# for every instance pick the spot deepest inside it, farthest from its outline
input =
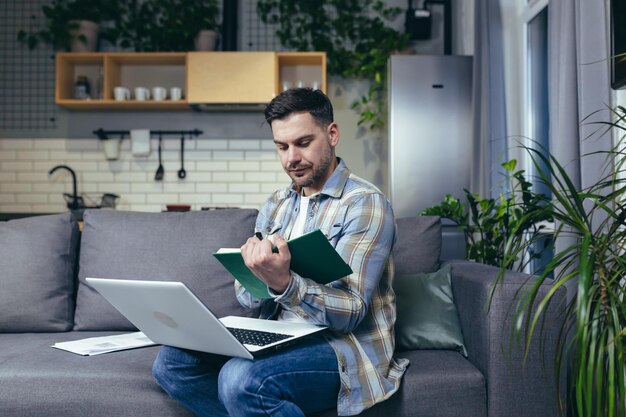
(351, 367)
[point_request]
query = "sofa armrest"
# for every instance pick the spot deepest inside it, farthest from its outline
(514, 387)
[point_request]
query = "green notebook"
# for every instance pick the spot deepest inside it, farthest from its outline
(312, 256)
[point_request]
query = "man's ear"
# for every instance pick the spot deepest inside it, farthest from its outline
(333, 134)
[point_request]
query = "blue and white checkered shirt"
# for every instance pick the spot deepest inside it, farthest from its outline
(359, 309)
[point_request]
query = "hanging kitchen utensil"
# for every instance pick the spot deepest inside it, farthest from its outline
(181, 172)
(158, 175)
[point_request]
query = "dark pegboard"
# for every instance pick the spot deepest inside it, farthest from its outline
(254, 34)
(26, 77)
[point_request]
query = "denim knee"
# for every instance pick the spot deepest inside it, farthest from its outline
(163, 374)
(237, 381)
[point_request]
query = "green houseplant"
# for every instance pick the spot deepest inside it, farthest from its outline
(354, 35)
(490, 224)
(593, 263)
(63, 21)
(163, 25)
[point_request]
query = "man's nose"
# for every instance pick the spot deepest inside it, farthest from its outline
(293, 155)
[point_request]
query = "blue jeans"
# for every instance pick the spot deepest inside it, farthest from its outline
(299, 379)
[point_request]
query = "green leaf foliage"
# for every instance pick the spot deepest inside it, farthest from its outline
(491, 224)
(61, 18)
(141, 25)
(163, 25)
(592, 224)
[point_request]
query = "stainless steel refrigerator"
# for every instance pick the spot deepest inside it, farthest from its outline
(430, 131)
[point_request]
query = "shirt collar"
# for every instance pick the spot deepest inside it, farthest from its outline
(335, 184)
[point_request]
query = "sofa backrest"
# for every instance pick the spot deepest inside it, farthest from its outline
(158, 246)
(39, 259)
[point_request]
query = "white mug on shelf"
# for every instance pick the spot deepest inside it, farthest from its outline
(315, 85)
(300, 84)
(121, 93)
(176, 93)
(286, 85)
(159, 93)
(142, 94)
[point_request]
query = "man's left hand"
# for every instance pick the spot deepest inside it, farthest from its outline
(272, 268)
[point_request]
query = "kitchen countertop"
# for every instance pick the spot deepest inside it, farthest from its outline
(19, 215)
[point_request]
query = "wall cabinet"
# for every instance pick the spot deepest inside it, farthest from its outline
(216, 79)
(105, 71)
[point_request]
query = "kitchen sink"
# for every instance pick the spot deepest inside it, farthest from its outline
(78, 203)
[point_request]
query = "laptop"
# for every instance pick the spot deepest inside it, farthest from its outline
(169, 313)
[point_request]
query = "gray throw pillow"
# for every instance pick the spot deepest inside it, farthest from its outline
(418, 244)
(427, 317)
(162, 247)
(37, 263)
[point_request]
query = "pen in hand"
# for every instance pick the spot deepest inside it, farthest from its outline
(260, 237)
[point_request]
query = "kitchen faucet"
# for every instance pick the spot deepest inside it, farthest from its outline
(74, 202)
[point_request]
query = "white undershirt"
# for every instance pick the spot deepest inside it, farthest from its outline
(296, 231)
(298, 227)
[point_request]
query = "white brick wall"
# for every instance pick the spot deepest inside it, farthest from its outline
(220, 172)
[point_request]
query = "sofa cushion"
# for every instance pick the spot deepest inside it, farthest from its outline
(37, 264)
(427, 317)
(159, 246)
(418, 245)
(37, 380)
(438, 383)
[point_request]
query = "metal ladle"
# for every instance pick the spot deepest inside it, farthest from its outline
(158, 175)
(181, 172)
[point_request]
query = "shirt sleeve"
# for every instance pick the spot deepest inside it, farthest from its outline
(365, 243)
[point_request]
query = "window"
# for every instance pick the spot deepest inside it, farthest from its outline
(536, 116)
(537, 122)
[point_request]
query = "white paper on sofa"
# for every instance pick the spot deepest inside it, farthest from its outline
(105, 344)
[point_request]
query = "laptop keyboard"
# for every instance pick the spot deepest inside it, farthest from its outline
(256, 337)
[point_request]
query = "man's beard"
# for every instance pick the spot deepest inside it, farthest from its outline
(318, 174)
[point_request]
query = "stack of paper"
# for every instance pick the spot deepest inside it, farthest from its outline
(105, 344)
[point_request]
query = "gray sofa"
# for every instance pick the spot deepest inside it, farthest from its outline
(44, 299)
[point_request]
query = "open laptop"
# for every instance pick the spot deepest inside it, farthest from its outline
(169, 313)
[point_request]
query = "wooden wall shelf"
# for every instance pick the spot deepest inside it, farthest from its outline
(239, 79)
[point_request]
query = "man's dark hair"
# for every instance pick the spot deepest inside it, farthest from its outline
(299, 100)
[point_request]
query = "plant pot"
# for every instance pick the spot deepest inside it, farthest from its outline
(88, 29)
(205, 40)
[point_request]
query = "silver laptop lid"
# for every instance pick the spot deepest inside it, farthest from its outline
(170, 314)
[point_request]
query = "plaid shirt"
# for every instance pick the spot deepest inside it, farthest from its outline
(359, 309)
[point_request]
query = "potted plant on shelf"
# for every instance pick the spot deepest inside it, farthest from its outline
(70, 24)
(202, 21)
(593, 265)
(165, 25)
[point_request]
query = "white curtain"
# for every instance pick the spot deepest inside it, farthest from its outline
(579, 87)
(579, 91)
(489, 107)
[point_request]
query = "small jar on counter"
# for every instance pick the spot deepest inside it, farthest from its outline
(82, 90)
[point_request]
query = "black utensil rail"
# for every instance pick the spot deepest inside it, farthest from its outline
(104, 134)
